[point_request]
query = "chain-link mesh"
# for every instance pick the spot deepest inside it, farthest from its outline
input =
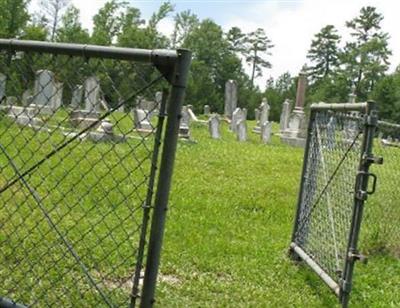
(325, 209)
(381, 226)
(76, 164)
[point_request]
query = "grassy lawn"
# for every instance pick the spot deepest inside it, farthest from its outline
(228, 229)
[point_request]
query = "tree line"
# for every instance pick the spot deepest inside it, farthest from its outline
(218, 55)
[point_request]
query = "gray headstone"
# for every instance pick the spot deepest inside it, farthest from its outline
(330, 132)
(241, 130)
(92, 94)
(142, 120)
(266, 131)
(230, 98)
(184, 124)
(257, 115)
(264, 111)
(26, 98)
(77, 95)
(214, 126)
(206, 109)
(3, 80)
(57, 102)
(44, 93)
(285, 115)
(238, 115)
(301, 90)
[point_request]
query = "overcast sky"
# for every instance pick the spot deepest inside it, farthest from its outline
(290, 24)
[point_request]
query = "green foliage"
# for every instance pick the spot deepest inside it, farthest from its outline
(324, 53)
(71, 30)
(387, 94)
(185, 23)
(51, 14)
(13, 17)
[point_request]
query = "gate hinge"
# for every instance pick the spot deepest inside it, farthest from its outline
(356, 256)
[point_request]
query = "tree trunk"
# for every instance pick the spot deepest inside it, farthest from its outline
(254, 68)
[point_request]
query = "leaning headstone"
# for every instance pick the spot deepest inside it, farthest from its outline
(295, 134)
(241, 130)
(266, 131)
(285, 115)
(206, 109)
(77, 94)
(3, 80)
(230, 98)
(214, 126)
(44, 93)
(92, 95)
(142, 120)
(184, 124)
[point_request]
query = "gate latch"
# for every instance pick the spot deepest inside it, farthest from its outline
(358, 257)
(370, 159)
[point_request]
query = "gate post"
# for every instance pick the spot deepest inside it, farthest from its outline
(360, 196)
(179, 81)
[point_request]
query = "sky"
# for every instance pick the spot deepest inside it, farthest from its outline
(290, 24)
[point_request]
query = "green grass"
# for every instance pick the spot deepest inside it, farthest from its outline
(228, 229)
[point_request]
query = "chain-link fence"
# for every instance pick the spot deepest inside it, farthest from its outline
(333, 190)
(81, 129)
(381, 227)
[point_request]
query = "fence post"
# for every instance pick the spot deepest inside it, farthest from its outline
(360, 196)
(179, 82)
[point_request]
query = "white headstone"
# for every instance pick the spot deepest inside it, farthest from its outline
(57, 101)
(44, 93)
(230, 98)
(266, 131)
(238, 115)
(285, 115)
(92, 95)
(141, 120)
(3, 80)
(264, 111)
(184, 124)
(241, 130)
(213, 126)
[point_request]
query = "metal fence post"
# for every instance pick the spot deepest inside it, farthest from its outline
(360, 196)
(179, 82)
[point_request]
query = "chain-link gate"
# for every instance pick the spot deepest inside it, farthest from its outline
(83, 183)
(381, 230)
(334, 187)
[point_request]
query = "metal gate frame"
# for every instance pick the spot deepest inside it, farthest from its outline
(174, 66)
(342, 288)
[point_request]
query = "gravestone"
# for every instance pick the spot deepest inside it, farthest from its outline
(241, 130)
(214, 127)
(44, 93)
(285, 115)
(264, 115)
(230, 98)
(257, 116)
(238, 115)
(26, 98)
(3, 80)
(184, 124)
(206, 109)
(294, 135)
(266, 131)
(105, 133)
(142, 120)
(330, 133)
(76, 99)
(91, 95)
(83, 119)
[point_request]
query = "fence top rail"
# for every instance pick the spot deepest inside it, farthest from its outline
(388, 124)
(156, 56)
(340, 107)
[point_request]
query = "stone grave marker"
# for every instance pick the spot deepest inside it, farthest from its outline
(206, 109)
(230, 98)
(76, 99)
(184, 124)
(3, 80)
(266, 131)
(214, 126)
(241, 130)
(285, 115)
(91, 95)
(44, 93)
(141, 119)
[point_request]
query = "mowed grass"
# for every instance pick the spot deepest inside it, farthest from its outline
(229, 227)
(228, 230)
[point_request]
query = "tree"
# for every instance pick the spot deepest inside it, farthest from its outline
(258, 46)
(13, 18)
(184, 23)
(52, 13)
(366, 57)
(71, 30)
(387, 94)
(324, 53)
(108, 22)
(236, 39)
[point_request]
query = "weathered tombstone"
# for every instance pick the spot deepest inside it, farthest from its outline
(77, 94)
(26, 98)
(264, 115)
(184, 124)
(230, 98)
(238, 114)
(142, 120)
(241, 130)
(92, 95)
(57, 101)
(285, 115)
(44, 93)
(206, 109)
(295, 134)
(3, 80)
(266, 131)
(213, 126)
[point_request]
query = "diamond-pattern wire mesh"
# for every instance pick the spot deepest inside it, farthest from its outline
(380, 232)
(70, 228)
(326, 206)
